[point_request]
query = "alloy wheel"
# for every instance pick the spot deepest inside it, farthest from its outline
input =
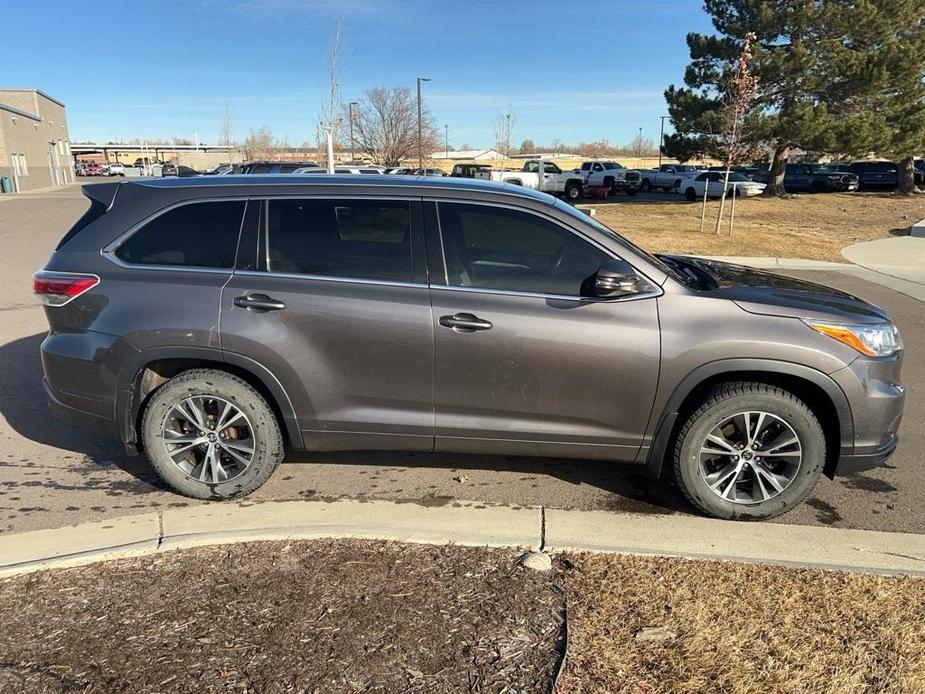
(750, 457)
(208, 438)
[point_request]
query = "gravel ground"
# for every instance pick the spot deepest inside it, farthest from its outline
(333, 616)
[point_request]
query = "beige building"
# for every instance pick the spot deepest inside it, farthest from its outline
(35, 149)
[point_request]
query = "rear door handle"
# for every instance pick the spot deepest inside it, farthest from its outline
(258, 302)
(464, 323)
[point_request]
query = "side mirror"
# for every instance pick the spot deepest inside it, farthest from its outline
(617, 278)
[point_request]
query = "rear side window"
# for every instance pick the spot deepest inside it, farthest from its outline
(96, 210)
(202, 234)
(361, 239)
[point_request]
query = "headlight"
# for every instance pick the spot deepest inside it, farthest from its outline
(877, 340)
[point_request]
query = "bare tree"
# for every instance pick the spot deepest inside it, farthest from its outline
(386, 126)
(741, 91)
(331, 107)
(504, 129)
(226, 128)
(259, 144)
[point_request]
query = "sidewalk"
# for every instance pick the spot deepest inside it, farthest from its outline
(469, 524)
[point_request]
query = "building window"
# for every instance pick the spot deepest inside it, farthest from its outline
(19, 165)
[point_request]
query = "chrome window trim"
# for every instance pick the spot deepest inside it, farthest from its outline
(654, 293)
(657, 291)
(328, 278)
(109, 250)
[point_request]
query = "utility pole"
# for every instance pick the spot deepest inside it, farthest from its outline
(446, 141)
(661, 140)
(507, 137)
(639, 146)
(420, 128)
(350, 115)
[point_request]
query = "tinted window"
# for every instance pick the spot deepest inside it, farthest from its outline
(202, 234)
(363, 239)
(882, 168)
(261, 168)
(549, 167)
(288, 168)
(498, 248)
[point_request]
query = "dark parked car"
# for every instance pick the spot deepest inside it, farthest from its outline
(216, 322)
(875, 175)
(168, 169)
(818, 178)
(471, 171)
(273, 167)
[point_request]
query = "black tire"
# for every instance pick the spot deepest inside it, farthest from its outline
(646, 185)
(573, 191)
(691, 195)
(723, 402)
(268, 447)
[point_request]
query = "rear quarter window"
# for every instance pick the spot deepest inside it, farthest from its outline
(201, 234)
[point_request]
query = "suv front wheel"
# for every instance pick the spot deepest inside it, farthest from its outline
(751, 450)
(210, 435)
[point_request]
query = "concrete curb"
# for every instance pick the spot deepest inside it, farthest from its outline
(694, 537)
(465, 523)
(918, 229)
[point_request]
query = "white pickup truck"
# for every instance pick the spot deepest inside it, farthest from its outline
(543, 175)
(666, 177)
(612, 174)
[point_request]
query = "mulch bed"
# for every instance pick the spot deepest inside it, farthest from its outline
(322, 616)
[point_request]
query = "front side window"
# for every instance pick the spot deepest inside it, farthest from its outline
(202, 234)
(488, 247)
(549, 167)
(358, 239)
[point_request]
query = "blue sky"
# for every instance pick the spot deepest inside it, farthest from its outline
(161, 68)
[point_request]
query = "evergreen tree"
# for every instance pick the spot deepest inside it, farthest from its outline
(795, 39)
(880, 80)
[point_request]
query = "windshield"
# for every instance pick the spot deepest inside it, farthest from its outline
(738, 178)
(609, 165)
(604, 229)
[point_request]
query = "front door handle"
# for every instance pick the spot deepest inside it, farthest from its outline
(258, 302)
(464, 323)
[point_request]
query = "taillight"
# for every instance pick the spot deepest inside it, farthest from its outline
(58, 288)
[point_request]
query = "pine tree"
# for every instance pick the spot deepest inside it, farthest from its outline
(881, 81)
(795, 39)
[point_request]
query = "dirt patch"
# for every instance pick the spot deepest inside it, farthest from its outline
(277, 617)
(803, 226)
(739, 628)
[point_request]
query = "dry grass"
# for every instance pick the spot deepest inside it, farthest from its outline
(740, 628)
(804, 226)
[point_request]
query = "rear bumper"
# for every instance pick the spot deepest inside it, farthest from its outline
(79, 417)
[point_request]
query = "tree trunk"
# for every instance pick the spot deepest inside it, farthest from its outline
(775, 187)
(907, 176)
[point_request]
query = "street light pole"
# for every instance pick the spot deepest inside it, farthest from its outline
(661, 139)
(639, 147)
(446, 141)
(420, 128)
(350, 115)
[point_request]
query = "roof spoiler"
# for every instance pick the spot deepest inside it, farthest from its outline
(104, 193)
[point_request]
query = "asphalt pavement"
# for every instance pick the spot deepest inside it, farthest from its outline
(52, 474)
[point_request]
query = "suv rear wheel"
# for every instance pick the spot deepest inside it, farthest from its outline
(749, 451)
(210, 435)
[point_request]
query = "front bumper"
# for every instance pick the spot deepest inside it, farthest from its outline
(876, 398)
(859, 462)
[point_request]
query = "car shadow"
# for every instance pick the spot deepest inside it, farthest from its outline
(23, 405)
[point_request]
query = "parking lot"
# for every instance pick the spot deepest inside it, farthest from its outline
(52, 474)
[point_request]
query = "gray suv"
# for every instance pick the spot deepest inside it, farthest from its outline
(214, 323)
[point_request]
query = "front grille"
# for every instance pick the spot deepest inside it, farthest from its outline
(632, 176)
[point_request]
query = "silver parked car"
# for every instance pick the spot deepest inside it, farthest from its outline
(216, 322)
